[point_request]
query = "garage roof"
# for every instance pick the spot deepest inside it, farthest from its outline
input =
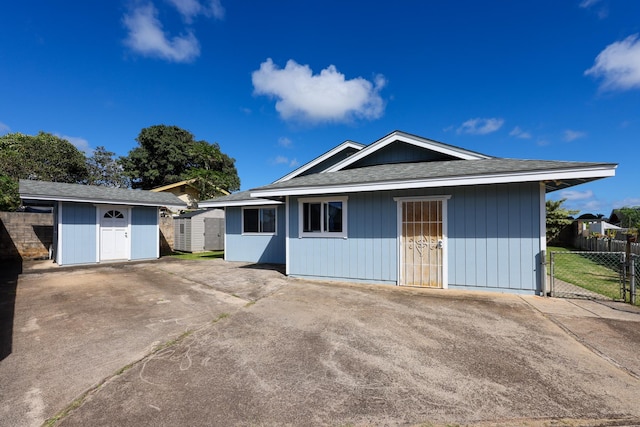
(37, 191)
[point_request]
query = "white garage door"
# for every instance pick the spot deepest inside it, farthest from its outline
(114, 239)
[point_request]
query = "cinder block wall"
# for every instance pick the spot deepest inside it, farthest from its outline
(166, 235)
(25, 235)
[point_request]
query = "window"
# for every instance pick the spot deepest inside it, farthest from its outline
(259, 220)
(113, 214)
(323, 217)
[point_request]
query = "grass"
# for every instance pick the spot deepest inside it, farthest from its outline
(594, 272)
(197, 255)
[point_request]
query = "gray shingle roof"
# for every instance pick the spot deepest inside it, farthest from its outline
(240, 198)
(57, 191)
(425, 171)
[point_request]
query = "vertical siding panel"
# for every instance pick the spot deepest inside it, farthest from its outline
(504, 213)
(461, 241)
(471, 208)
(144, 229)
(492, 258)
(480, 235)
(375, 263)
(515, 200)
(79, 233)
(527, 257)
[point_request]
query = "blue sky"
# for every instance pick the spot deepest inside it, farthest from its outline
(278, 83)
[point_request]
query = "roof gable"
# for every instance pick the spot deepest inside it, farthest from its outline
(407, 148)
(325, 161)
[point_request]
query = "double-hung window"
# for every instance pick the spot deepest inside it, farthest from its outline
(259, 220)
(323, 217)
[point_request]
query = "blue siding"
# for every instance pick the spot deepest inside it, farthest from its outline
(78, 236)
(368, 254)
(493, 239)
(144, 232)
(254, 248)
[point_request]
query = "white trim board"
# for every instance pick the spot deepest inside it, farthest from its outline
(451, 181)
(417, 141)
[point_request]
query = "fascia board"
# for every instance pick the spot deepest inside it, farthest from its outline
(95, 201)
(459, 153)
(599, 172)
(320, 159)
(239, 203)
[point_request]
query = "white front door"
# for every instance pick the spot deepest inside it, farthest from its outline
(114, 230)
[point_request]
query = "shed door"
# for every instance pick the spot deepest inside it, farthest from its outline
(214, 234)
(114, 239)
(421, 244)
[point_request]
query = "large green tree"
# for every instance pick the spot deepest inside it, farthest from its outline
(105, 170)
(558, 218)
(168, 154)
(43, 157)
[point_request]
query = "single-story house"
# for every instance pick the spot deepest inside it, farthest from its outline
(405, 210)
(96, 224)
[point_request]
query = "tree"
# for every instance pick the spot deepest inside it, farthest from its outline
(212, 169)
(557, 218)
(104, 170)
(168, 154)
(629, 217)
(44, 157)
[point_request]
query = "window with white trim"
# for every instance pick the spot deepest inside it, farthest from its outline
(323, 217)
(259, 220)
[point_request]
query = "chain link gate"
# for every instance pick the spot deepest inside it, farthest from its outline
(594, 275)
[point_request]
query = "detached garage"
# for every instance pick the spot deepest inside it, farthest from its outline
(98, 224)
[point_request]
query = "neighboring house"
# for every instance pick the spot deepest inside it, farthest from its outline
(96, 224)
(588, 227)
(405, 210)
(198, 231)
(185, 191)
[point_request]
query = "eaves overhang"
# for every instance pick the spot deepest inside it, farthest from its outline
(236, 203)
(567, 176)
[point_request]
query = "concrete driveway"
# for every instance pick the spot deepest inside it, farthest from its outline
(211, 343)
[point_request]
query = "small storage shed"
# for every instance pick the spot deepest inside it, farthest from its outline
(95, 224)
(198, 231)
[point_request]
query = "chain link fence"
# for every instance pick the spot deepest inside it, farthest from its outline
(594, 275)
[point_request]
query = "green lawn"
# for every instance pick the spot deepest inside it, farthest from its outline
(198, 255)
(596, 272)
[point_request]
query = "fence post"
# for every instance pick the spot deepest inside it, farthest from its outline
(632, 278)
(551, 260)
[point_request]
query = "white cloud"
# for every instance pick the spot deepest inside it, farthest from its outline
(618, 65)
(543, 142)
(585, 4)
(519, 133)
(572, 135)
(282, 160)
(284, 142)
(146, 36)
(323, 97)
(4, 128)
(80, 143)
(480, 126)
(189, 9)
(576, 195)
(628, 202)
